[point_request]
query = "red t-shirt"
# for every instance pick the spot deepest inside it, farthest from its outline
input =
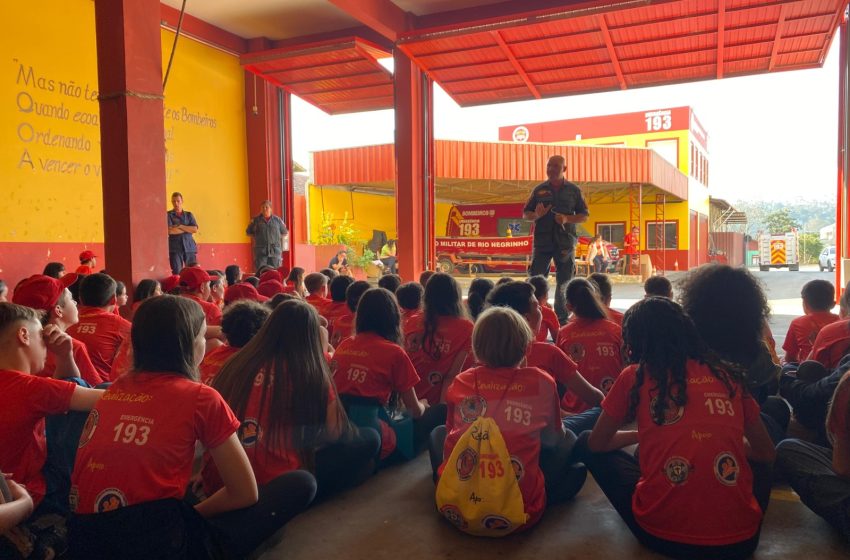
(81, 357)
(333, 311)
(549, 323)
(368, 365)
(831, 344)
(409, 318)
(26, 400)
(615, 316)
(802, 333)
(696, 484)
(593, 344)
(102, 332)
(138, 444)
(267, 461)
(343, 328)
(631, 243)
(838, 423)
(211, 310)
(453, 336)
(212, 362)
(318, 302)
(524, 403)
(123, 360)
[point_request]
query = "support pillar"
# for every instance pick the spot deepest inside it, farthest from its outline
(842, 222)
(635, 218)
(132, 138)
(414, 142)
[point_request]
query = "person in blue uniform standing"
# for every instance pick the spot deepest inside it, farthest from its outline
(555, 206)
(270, 235)
(181, 245)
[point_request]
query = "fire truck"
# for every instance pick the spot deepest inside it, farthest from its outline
(779, 251)
(494, 238)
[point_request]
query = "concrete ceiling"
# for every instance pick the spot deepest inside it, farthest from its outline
(283, 19)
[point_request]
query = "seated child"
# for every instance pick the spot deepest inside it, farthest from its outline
(142, 437)
(523, 402)
(337, 307)
(549, 326)
(389, 282)
(476, 296)
(295, 282)
(833, 341)
(409, 298)
(818, 299)
(603, 287)
(239, 323)
(344, 324)
(316, 284)
(658, 286)
(290, 415)
(694, 492)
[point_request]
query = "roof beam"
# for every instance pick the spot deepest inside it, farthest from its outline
(774, 54)
(515, 63)
(721, 42)
(380, 15)
(615, 61)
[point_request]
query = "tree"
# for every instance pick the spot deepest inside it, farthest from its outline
(780, 221)
(810, 247)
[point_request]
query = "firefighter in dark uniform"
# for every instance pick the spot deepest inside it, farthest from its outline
(555, 206)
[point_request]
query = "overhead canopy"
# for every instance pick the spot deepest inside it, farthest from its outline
(337, 76)
(475, 172)
(595, 46)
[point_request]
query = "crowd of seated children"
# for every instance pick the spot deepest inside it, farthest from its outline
(549, 325)
(283, 421)
(389, 282)
(818, 300)
(833, 341)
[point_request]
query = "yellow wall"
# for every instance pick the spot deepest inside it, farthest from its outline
(53, 192)
(640, 140)
(619, 212)
(365, 211)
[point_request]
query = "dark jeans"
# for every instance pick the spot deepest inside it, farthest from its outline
(563, 478)
(564, 270)
(346, 464)
(776, 416)
(808, 469)
(583, 421)
(181, 259)
(617, 474)
(391, 263)
(600, 264)
(810, 400)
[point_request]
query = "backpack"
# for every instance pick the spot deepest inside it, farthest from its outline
(478, 491)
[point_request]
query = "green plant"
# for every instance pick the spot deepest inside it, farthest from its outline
(336, 232)
(363, 260)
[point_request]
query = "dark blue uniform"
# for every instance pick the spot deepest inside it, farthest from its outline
(182, 248)
(553, 241)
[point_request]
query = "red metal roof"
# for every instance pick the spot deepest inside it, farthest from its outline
(337, 76)
(495, 171)
(608, 47)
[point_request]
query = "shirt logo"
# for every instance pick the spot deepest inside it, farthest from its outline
(88, 428)
(519, 469)
(495, 523)
(467, 462)
(677, 470)
(249, 432)
(726, 469)
(576, 351)
(672, 413)
(109, 500)
(453, 515)
(472, 407)
(606, 384)
(435, 378)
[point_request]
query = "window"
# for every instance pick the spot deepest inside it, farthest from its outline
(613, 233)
(671, 231)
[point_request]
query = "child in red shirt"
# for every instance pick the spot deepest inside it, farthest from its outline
(290, 415)
(591, 340)
(295, 282)
(240, 322)
(521, 297)
(99, 328)
(409, 296)
(52, 296)
(524, 403)
(476, 296)
(603, 286)
(821, 476)
(694, 493)
(818, 299)
(316, 285)
(25, 401)
(137, 449)
(439, 342)
(337, 307)
(344, 324)
(373, 366)
(195, 285)
(549, 325)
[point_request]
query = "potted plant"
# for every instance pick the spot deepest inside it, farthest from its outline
(334, 236)
(363, 265)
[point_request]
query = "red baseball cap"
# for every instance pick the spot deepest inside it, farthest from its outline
(42, 292)
(242, 291)
(87, 255)
(169, 283)
(193, 278)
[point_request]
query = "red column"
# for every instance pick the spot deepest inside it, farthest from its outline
(129, 65)
(842, 241)
(413, 154)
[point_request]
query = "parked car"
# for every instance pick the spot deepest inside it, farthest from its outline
(827, 259)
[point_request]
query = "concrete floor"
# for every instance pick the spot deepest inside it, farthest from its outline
(392, 517)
